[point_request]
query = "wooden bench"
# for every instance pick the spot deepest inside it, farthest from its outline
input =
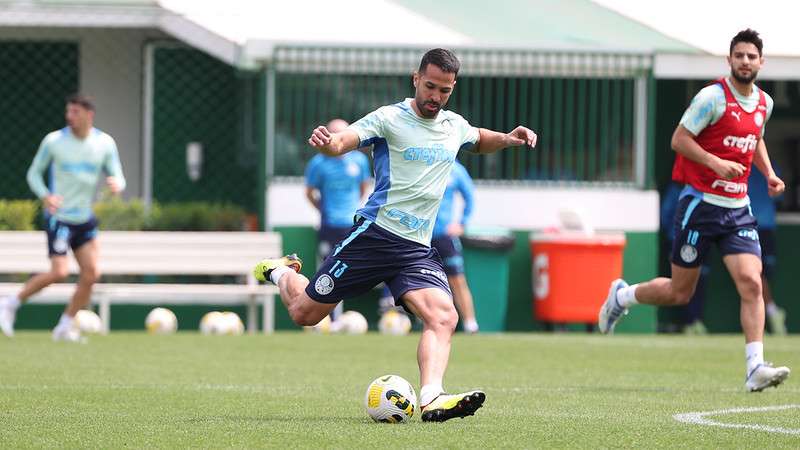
(156, 253)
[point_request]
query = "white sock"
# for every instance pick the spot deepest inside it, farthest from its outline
(772, 308)
(65, 321)
(278, 272)
(627, 296)
(12, 302)
(471, 326)
(428, 393)
(754, 351)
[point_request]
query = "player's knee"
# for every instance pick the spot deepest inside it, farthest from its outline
(305, 317)
(445, 319)
(682, 296)
(91, 275)
(59, 274)
(749, 287)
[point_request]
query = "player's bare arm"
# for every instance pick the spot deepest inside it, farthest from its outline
(683, 142)
(333, 144)
(491, 141)
(313, 197)
(762, 161)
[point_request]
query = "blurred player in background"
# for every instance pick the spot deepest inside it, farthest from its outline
(335, 186)
(415, 145)
(764, 209)
(718, 139)
(693, 311)
(446, 240)
(71, 159)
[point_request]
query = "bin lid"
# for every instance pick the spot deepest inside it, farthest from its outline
(490, 238)
(568, 237)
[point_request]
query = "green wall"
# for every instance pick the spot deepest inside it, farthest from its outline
(200, 99)
(35, 80)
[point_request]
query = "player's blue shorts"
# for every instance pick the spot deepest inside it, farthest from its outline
(698, 224)
(370, 255)
(329, 237)
(62, 235)
(449, 248)
(769, 257)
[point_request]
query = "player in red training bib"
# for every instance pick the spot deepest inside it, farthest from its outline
(718, 139)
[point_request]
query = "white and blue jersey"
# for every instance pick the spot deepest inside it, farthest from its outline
(459, 182)
(413, 157)
(338, 180)
(73, 167)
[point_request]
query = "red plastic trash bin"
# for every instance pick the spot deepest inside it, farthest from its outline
(572, 273)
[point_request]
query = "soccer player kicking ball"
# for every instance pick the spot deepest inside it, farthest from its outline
(718, 139)
(415, 146)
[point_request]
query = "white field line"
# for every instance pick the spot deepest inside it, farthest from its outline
(700, 418)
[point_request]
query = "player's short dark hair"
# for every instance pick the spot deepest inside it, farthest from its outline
(750, 36)
(83, 100)
(442, 58)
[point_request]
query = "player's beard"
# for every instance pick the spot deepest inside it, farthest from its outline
(744, 79)
(425, 111)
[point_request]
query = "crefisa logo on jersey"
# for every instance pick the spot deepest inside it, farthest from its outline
(688, 253)
(324, 285)
(745, 144)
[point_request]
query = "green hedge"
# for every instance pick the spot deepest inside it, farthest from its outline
(115, 213)
(18, 215)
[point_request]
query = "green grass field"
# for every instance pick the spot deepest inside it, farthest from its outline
(306, 391)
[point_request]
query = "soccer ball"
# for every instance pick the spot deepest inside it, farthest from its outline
(394, 323)
(352, 322)
(390, 399)
(323, 327)
(211, 323)
(217, 323)
(88, 321)
(231, 324)
(161, 321)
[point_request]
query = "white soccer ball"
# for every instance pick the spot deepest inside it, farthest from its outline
(221, 323)
(161, 321)
(87, 321)
(351, 322)
(232, 324)
(394, 323)
(390, 399)
(323, 327)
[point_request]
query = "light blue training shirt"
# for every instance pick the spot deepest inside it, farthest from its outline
(413, 157)
(73, 167)
(338, 180)
(459, 182)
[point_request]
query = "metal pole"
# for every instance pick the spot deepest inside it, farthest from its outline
(640, 131)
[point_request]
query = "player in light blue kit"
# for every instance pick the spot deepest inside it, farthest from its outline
(415, 143)
(72, 158)
(445, 240)
(335, 186)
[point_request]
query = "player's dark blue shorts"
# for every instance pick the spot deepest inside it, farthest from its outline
(370, 255)
(62, 235)
(329, 237)
(698, 224)
(769, 257)
(449, 248)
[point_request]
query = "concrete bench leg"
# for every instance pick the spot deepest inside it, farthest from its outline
(105, 313)
(252, 325)
(269, 314)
